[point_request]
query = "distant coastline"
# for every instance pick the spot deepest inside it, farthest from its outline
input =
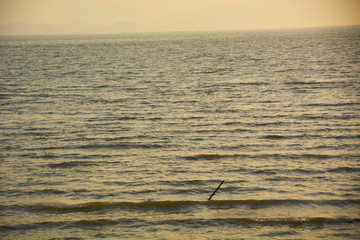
(118, 28)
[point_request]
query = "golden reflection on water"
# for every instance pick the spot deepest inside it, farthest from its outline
(128, 146)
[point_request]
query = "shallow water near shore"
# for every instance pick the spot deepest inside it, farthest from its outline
(126, 136)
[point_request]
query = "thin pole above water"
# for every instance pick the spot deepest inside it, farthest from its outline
(216, 189)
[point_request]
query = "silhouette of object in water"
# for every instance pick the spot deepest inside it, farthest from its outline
(216, 190)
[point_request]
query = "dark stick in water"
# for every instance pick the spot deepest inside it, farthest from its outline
(216, 190)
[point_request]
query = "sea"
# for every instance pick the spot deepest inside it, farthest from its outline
(127, 136)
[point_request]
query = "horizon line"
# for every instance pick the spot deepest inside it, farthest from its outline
(164, 31)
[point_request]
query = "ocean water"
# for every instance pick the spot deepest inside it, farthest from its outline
(126, 136)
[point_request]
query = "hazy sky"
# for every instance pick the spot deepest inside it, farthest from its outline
(184, 14)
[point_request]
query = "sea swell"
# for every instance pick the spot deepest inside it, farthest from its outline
(132, 223)
(215, 156)
(174, 205)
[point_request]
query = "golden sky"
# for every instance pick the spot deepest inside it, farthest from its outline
(188, 15)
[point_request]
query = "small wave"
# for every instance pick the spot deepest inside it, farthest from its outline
(253, 83)
(212, 71)
(285, 70)
(281, 137)
(275, 137)
(331, 104)
(103, 206)
(127, 118)
(307, 156)
(185, 183)
(288, 179)
(106, 101)
(266, 221)
(94, 223)
(72, 164)
(233, 123)
(322, 117)
(155, 119)
(316, 156)
(47, 191)
(309, 83)
(30, 226)
(344, 170)
(193, 222)
(276, 171)
(294, 221)
(67, 224)
(265, 171)
(122, 145)
(239, 130)
(216, 156)
(280, 233)
(344, 137)
(174, 205)
(256, 124)
(211, 156)
(278, 123)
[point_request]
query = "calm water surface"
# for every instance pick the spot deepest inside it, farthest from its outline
(126, 136)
